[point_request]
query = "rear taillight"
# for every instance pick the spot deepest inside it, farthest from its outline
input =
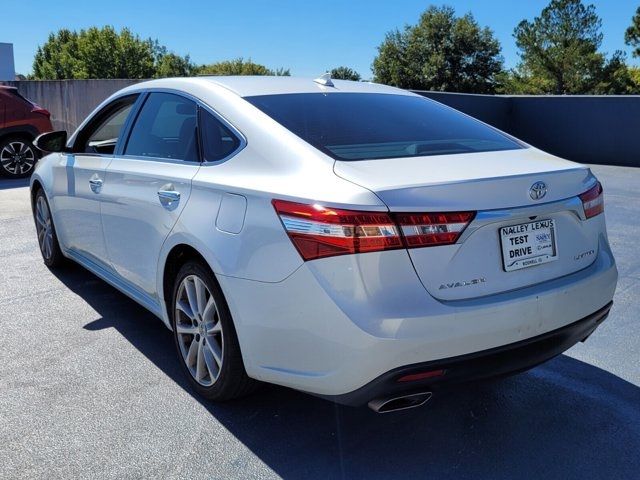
(318, 231)
(593, 201)
(41, 111)
(430, 229)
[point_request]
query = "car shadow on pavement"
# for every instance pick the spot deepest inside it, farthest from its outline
(564, 419)
(7, 183)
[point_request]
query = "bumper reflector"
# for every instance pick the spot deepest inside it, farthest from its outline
(413, 377)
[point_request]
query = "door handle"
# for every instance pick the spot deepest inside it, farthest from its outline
(167, 197)
(95, 183)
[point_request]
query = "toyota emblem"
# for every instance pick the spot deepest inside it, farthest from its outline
(538, 190)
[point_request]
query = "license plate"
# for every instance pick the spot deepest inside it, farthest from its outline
(528, 244)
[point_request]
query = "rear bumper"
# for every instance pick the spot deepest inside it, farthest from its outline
(495, 362)
(337, 324)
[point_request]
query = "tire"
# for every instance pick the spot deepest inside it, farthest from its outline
(206, 341)
(47, 237)
(18, 157)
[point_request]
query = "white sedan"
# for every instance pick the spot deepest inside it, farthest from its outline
(350, 240)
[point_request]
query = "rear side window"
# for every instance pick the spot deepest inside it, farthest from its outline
(165, 128)
(363, 126)
(218, 141)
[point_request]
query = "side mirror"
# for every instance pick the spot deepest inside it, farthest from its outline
(52, 141)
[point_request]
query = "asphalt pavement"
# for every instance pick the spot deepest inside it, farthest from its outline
(90, 387)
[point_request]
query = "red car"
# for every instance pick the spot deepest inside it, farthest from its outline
(21, 121)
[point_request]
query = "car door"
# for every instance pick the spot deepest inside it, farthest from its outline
(78, 180)
(14, 106)
(146, 188)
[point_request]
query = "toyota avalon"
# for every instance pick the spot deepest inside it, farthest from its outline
(351, 240)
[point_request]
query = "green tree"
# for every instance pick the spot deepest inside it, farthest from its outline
(58, 57)
(559, 53)
(632, 35)
(172, 65)
(616, 78)
(168, 64)
(239, 66)
(442, 52)
(105, 53)
(345, 73)
(634, 73)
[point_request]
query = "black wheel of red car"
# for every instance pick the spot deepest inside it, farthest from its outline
(18, 157)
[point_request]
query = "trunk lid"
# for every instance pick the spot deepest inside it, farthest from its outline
(497, 186)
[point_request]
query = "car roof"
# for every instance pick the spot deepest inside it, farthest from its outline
(246, 85)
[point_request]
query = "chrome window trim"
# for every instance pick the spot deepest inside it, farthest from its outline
(242, 139)
(157, 160)
(200, 104)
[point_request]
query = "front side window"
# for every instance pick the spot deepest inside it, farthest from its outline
(218, 141)
(165, 128)
(103, 133)
(364, 126)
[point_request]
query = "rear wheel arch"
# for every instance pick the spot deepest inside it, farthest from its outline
(27, 135)
(178, 256)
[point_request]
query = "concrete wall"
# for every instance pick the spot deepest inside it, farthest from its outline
(69, 101)
(601, 129)
(588, 129)
(591, 129)
(492, 109)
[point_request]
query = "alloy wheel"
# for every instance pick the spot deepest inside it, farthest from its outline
(17, 157)
(199, 330)
(44, 227)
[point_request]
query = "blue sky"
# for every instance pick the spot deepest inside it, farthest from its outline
(305, 36)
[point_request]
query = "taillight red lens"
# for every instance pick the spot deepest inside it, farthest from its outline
(593, 201)
(318, 231)
(41, 111)
(414, 377)
(430, 229)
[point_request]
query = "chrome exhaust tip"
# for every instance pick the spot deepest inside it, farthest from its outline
(404, 402)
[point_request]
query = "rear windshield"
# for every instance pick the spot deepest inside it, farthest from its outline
(15, 93)
(363, 126)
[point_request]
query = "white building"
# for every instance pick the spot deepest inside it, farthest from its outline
(7, 67)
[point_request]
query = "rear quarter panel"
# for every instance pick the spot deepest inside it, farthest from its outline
(274, 164)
